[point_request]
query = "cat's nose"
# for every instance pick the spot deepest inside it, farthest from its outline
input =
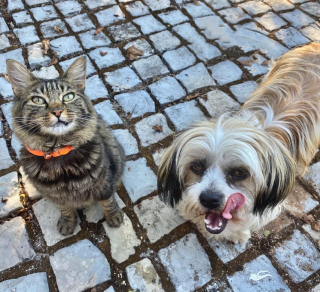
(57, 112)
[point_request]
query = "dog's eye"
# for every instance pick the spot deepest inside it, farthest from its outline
(239, 174)
(197, 168)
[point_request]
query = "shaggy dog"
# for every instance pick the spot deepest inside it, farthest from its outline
(230, 176)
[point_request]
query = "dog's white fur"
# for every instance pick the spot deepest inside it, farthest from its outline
(273, 137)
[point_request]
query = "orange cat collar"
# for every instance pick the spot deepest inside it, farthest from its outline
(62, 151)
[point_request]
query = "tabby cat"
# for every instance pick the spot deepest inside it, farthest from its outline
(68, 153)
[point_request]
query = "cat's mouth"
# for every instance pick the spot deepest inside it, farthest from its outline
(59, 128)
(61, 123)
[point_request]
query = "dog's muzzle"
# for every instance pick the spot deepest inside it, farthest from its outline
(216, 222)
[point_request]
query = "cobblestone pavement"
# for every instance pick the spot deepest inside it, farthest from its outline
(199, 59)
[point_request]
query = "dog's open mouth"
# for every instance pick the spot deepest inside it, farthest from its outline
(216, 222)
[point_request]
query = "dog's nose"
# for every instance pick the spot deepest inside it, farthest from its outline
(211, 200)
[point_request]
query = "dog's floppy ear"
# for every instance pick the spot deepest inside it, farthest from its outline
(280, 177)
(169, 186)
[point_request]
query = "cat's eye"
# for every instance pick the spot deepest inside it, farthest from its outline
(68, 97)
(38, 100)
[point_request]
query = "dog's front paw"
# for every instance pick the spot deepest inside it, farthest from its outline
(241, 237)
(66, 226)
(116, 219)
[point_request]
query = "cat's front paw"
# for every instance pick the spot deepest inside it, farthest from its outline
(66, 226)
(116, 219)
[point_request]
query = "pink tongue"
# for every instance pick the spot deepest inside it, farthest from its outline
(234, 202)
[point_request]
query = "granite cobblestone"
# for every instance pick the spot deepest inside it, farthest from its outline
(188, 70)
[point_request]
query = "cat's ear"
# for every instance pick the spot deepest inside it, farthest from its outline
(20, 77)
(76, 73)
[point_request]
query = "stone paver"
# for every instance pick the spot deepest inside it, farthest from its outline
(150, 67)
(167, 90)
(198, 10)
(300, 200)
(110, 56)
(217, 102)
(48, 215)
(123, 240)
(242, 91)
(312, 32)
(179, 59)
(9, 193)
(199, 60)
(5, 159)
(195, 77)
(249, 280)
(122, 79)
(22, 17)
(255, 7)
(271, 21)
(291, 37)
(15, 54)
(68, 8)
(138, 179)
(136, 103)
(95, 212)
(5, 88)
(27, 35)
(79, 266)
(158, 4)
(186, 252)
(48, 31)
(311, 8)
(137, 8)
(173, 17)
(199, 46)
(157, 218)
(110, 15)
(35, 56)
(152, 129)
(95, 88)
(90, 40)
(225, 72)
(143, 277)
(164, 40)
(14, 245)
(297, 18)
(234, 15)
(279, 5)
(36, 282)
(255, 64)
(225, 251)
(44, 13)
(105, 109)
(184, 115)
(80, 22)
(128, 142)
(65, 46)
(124, 31)
(142, 45)
(298, 262)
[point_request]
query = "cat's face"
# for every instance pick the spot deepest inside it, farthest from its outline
(50, 107)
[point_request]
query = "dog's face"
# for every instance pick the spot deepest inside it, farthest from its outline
(219, 169)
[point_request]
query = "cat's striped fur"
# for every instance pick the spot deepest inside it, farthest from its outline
(90, 172)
